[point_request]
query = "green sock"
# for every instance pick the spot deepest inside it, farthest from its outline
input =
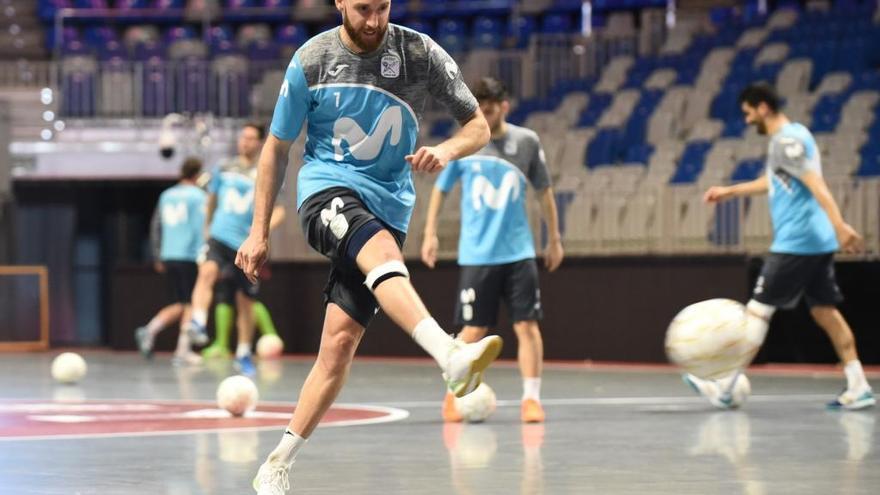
(264, 319)
(224, 317)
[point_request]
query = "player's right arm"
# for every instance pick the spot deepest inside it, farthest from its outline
(445, 182)
(718, 194)
(156, 238)
(430, 242)
(287, 121)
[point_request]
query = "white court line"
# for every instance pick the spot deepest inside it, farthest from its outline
(629, 401)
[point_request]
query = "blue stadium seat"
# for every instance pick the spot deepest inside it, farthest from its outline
(604, 149)
(487, 33)
(691, 164)
(291, 35)
(748, 170)
(420, 25)
(557, 24)
(521, 29)
(451, 35)
(599, 102)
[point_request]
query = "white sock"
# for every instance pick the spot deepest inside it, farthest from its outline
(200, 316)
(155, 326)
(183, 347)
(287, 448)
(434, 340)
(531, 388)
(758, 321)
(242, 350)
(855, 375)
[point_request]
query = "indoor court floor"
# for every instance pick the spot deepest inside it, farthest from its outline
(137, 427)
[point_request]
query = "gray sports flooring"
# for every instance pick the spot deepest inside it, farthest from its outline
(609, 431)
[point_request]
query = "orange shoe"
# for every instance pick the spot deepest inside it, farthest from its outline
(531, 411)
(450, 412)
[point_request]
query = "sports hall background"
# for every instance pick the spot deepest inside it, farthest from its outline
(635, 102)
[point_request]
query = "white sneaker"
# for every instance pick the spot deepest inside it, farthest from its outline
(854, 400)
(272, 479)
(711, 390)
(188, 359)
(466, 362)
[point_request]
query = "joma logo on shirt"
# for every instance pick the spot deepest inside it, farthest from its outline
(363, 146)
(483, 192)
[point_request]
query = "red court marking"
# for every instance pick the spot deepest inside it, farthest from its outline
(24, 419)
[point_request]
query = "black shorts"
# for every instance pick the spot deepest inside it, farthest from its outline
(481, 288)
(786, 277)
(230, 274)
(337, 224)
(181, 278)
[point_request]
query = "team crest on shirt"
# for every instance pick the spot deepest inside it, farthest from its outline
(510, 147)
(390, 65)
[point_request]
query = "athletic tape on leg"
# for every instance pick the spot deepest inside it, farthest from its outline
(385, 271)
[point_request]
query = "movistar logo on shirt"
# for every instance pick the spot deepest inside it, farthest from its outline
(363, 146)
(483, 192)
(237, 203)
(174, 214)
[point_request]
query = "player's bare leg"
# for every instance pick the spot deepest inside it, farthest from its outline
(530, 355)
(244, 306)
(183, 354)
(381, 262)
(203, 291)
(339, 340)
(858, 394)
(166, 317)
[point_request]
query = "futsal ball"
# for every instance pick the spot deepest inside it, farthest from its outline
(269, 346)
(237, 394)
(478, 405)
(68, 367)
(708, 339)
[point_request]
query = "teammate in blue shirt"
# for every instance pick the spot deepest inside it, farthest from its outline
(176, 238)
(496, 250)
(362, 88)
(807, 230)
(230, 210)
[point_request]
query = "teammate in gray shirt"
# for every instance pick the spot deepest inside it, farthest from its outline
(496, 250)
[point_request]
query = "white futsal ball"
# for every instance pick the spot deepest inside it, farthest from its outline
(68, 367)
(478, 405)
(708, 339)
(270, 346)
(237, 394)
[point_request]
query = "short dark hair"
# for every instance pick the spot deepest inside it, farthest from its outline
(191, 168)
(758, 93)
(491, 89)
(260, 128)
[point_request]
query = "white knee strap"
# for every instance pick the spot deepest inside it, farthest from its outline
(384, 272)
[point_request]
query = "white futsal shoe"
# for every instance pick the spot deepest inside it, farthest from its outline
(466, 363)
(272, 478)
(713, 390)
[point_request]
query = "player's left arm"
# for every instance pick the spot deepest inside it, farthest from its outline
(539, 177)
(156, 240)
(473, 135)
(287, 122)
(446, 85)
(553, 253)
(850, 240)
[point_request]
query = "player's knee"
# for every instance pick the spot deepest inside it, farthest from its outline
(208, 272)
(384, 272)
(527, 330)
(338, 349)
